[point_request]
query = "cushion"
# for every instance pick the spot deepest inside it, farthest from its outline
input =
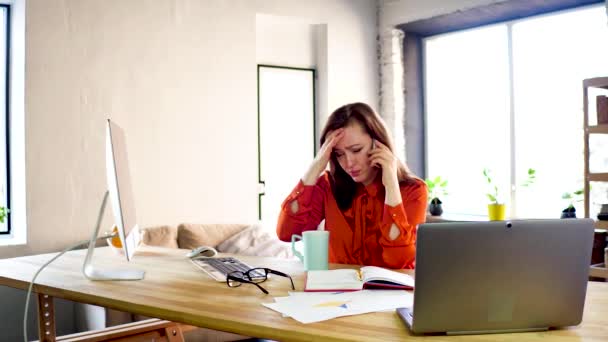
(162, 236)
(190, 235)
(257, 241)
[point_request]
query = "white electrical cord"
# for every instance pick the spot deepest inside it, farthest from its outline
(29, 291)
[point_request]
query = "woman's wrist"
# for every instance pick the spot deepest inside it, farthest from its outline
(393, 193)
(311, 176)
(392, 199)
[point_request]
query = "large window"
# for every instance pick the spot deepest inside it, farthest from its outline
(508, 97)
(4, 117)
(12, 121)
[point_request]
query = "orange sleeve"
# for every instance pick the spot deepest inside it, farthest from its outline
(406, 216)
(310, 212)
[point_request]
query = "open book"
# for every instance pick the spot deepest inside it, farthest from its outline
(368, 277)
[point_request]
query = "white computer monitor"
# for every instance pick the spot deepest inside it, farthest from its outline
(118, 176)
(120, 193)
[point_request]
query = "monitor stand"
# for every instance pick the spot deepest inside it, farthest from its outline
(94, 273)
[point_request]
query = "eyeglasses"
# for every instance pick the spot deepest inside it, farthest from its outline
(254, 276)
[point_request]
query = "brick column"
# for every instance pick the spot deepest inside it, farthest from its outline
(392, 100)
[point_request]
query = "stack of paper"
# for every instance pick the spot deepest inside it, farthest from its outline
(308, 307)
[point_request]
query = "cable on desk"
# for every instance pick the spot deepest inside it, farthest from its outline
(81, 243)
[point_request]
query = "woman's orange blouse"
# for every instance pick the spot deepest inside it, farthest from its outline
(359, 235)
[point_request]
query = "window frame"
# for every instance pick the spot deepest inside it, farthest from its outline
(15, 124)
(416, 128)
(313, 72)
(6, 182)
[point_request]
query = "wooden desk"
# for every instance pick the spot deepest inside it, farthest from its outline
(176, 290)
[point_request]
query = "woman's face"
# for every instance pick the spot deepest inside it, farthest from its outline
(352, 152)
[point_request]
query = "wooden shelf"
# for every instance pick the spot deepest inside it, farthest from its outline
(601, 224)
(599, 129)
(596, 82)
(598, 270)
(597, 177)
(601, 83)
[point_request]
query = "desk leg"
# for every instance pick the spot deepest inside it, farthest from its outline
(174, 333)
(46, 318)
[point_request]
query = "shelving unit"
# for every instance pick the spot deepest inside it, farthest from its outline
(597, 270)
(602, 83)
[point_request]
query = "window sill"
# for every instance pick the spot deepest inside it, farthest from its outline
(455, 218)
(11, 240)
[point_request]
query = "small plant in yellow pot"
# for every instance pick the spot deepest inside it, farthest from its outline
(496, 209)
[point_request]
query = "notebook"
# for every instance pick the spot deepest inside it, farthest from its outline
(367, 277)
(501, 276)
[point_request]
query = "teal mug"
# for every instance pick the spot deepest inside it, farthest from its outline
(316, 243)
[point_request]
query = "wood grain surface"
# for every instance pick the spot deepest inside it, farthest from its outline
(176, 290)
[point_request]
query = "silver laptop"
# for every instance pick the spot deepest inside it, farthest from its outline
(503, 276)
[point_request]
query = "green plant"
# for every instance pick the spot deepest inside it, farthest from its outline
(493, 194)
(3, 213)
(573, 197)
(436, 187)
(531, 178)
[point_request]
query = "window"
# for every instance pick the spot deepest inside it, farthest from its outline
(508, 97)
(286, 122)
(12, 120)
(4, 118)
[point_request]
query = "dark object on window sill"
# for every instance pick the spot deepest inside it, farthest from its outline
(435, 207)
(569, 212)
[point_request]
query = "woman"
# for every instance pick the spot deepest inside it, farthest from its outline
(371, 203)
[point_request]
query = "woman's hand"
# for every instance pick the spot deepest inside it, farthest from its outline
(381, 156)
(319, 164)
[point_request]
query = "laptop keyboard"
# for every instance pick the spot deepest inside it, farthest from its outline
(226, 265)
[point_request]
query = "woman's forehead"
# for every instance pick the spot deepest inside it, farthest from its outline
(353, 134)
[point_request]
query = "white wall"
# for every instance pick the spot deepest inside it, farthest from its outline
(297, 42)
(351, 27)
(286, 41)
(180, 77)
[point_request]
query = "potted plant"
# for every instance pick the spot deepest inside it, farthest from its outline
(3, 213)
(572, 198)
(436, 187)
(496, 209)
(3, 210)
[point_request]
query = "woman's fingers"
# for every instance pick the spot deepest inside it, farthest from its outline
(331, 143)
(333, 134)
(379, 160)
(336, 137)
(332, 139)
(381, 155)
(379, 152)
(380, 145)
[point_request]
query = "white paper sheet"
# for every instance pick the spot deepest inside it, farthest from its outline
(309, 307)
